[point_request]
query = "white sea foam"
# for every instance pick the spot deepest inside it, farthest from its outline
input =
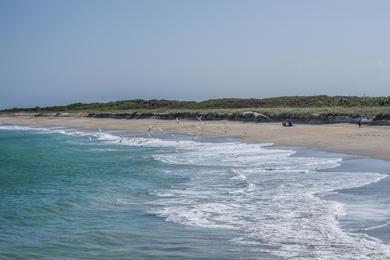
(272, 199)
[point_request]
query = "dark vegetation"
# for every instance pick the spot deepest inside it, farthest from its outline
(225, 103)
(310, 109)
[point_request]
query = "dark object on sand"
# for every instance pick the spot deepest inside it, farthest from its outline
(360, 122)
(288, 123)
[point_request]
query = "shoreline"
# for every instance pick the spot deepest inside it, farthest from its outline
(371, 141)
(294, 199)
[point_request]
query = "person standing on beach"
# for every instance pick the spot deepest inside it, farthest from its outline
(360, 122)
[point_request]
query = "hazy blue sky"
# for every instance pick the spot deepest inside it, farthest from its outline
(58, 52)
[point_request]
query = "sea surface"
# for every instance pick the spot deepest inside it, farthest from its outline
(71, 193)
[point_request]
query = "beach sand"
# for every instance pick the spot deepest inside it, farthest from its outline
(372, 141)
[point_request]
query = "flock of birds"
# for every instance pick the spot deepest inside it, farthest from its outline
(150, 131)
(201, 127)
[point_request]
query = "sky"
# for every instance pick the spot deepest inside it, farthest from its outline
(55, 52)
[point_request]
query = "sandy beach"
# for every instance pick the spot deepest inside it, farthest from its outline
(372, 141)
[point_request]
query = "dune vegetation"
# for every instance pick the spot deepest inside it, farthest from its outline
(306, 108)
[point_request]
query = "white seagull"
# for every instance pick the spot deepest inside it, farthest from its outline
(200, 119)
(149, 133)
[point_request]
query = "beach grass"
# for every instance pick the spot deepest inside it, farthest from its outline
(298, 107)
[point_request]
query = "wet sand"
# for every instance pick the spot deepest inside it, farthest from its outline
(372, 141)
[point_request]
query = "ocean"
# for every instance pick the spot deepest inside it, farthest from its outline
(71, 193)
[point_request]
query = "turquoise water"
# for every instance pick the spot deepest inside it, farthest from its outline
(76, 194)
(64, 196)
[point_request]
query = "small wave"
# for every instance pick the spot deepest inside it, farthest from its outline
(376, 227)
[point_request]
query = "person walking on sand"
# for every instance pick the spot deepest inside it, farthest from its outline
(360, 122)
